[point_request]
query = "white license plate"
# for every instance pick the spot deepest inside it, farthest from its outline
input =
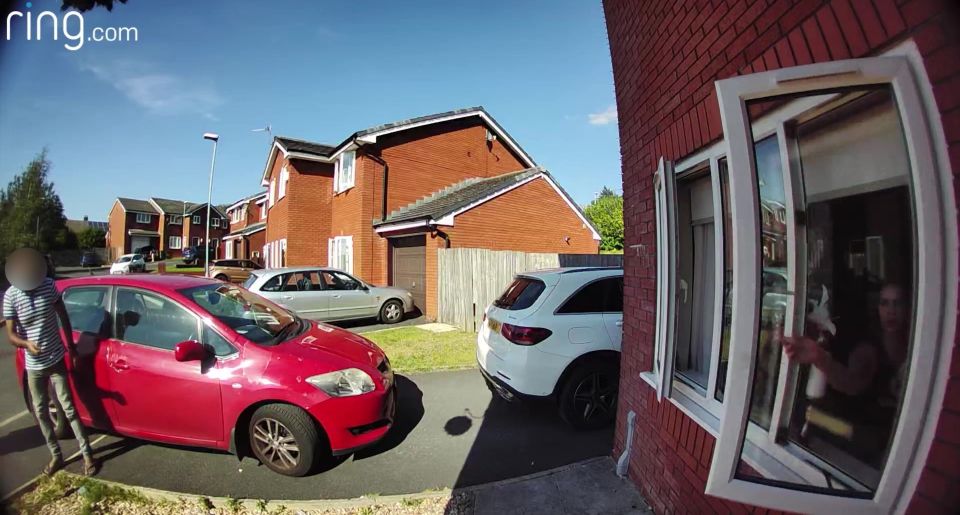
(493, 325)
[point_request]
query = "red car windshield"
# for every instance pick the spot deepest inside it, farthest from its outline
(255, 318)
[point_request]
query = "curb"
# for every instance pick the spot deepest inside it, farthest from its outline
(333, 504)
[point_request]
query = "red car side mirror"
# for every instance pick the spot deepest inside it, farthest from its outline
(189, 350)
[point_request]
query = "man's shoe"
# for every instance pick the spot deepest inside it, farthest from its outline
(52, 467)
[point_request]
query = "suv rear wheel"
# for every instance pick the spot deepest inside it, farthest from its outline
(588, 399)
(284, 438)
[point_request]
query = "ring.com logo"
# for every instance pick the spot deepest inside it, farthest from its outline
(70, 25)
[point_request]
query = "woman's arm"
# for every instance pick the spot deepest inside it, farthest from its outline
(852, 379)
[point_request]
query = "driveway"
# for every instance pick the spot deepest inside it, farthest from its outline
(450, 433)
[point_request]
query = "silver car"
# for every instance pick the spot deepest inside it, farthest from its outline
(329, 294)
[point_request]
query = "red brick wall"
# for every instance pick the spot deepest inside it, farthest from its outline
(307, 208)
(116, 231)
(666, 56)
(430, 158)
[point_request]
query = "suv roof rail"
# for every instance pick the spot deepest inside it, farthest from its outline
(590, 269)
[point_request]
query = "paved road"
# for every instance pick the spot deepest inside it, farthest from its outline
(451, 433)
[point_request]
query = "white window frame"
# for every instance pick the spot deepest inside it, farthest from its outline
(933, 328)
(284, 177)
(343, 181)
(144, 218)
(176, 220)
(273, 191)
(195, 220)
(214, 222)
(263, 211)
(196, 241)
(175, 242)
(340, 253)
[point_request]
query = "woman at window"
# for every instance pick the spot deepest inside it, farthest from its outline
(869, 383)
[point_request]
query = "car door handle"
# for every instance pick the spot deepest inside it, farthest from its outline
(286, 297)
(336, 296)
(619, 323)
(119, 365)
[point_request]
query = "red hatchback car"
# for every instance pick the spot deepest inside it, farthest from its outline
(199, 362)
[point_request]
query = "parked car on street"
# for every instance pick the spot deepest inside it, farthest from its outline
(330, 294)
(195, 254)
(233, 270)
(556, 335)
(89, 259)
(149, 252)
(128, 263)
(192, 361)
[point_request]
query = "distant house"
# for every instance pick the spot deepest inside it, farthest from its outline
(248, 224)
(78, 226)
(164, 224)
(382, 202)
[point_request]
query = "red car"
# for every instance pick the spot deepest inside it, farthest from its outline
(198, 362)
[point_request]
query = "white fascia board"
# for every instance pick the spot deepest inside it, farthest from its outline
(372, 137)
(402, 226)
(276, 147)
(115, 202)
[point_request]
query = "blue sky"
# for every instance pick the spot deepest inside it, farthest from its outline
(126, 118)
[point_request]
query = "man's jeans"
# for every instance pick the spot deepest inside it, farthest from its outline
(37, 381)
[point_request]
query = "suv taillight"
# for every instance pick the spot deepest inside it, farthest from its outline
(524, 335)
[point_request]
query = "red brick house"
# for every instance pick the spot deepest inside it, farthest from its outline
(789, 173)
(248, 224)
(167, 225)
(383, 201)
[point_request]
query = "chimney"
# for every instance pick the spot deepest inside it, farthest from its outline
(85, 219)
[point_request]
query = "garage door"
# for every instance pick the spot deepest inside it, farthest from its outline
(410, 267)
(138, 241)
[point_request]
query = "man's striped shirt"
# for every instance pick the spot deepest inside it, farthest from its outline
(34, 318)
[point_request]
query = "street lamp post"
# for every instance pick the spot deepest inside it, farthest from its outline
(215, 138)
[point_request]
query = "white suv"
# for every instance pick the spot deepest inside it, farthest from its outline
(556, 334)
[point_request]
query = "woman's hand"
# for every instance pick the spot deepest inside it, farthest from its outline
(802, 349)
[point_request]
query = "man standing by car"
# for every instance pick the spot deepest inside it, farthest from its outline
(31, 307)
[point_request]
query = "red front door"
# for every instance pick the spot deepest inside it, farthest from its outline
(161, 398)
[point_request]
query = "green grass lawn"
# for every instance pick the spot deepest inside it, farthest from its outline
(416, 350)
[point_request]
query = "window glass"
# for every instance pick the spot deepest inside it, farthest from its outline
(521, 294)
(216, 343)
(600, 296)
(153, 320)
(339, 281)
(87, 309)
(695, 278)
(727, 280)
(250, 315)
(849, 352)
(277, 283)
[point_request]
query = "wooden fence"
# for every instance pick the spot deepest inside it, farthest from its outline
(468, 280)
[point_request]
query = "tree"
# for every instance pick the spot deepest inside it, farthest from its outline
(31, 213)
(86, 5)
(606, 214)
(91, 237)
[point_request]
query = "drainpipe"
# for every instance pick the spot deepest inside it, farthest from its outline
(437, 233)
(386, 170)
(624, 462)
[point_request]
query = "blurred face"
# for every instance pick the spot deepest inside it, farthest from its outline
(892, 309)
(26, 269)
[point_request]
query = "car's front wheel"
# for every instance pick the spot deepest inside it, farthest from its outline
(222, 277)
(391, 312)
(284, 438)
(588, 399)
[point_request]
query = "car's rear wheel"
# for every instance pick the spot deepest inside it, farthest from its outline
(391, 312)
(284, 438)
(61, 426)
(588, 399)
(221, 277)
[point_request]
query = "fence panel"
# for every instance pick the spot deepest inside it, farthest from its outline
(468, 280)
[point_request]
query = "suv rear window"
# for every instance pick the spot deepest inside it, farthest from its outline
(600, 296)
(521, 294)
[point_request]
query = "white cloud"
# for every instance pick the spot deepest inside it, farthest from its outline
(158, 92)
(603, 118)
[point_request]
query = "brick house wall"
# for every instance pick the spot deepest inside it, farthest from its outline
(308, 211)
(665, 60)
(116, 231)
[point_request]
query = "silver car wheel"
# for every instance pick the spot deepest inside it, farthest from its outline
(276, 444)
(392, 312)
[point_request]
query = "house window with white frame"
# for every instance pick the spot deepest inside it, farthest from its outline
(802, 273)
(284, 178)
(273, 191)
(175, 242)
(263, 211)
(340, 253)
(215, 222)
(175, 220)
(196, 220)
(144, 218)
(344, 171)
